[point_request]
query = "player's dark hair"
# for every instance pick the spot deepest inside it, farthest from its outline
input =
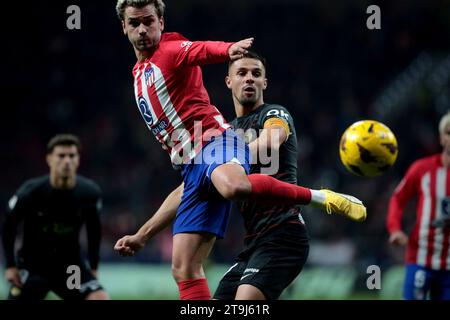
(63, 139)
(123, 4)
(251, 55)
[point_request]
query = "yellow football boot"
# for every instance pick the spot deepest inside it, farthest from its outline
(345, 205)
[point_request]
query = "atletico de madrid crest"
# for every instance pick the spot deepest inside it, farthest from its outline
(149, 76)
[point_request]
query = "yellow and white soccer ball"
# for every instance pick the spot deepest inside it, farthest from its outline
(368, 148)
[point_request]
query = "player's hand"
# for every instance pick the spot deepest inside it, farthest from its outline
(239, 48)
(398, 238)
(129, 245)
(12, 275)
(94, 273)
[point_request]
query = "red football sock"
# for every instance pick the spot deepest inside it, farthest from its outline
(194, 289)
(268, 190)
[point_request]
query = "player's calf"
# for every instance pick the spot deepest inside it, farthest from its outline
(194, 289)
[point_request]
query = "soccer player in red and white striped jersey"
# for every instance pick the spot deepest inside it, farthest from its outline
(428, 246)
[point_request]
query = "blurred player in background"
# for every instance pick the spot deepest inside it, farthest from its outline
(53, 209)
(428, 250)
(173, 102)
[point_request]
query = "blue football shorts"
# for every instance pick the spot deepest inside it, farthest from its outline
(426, 284)
(202, 208)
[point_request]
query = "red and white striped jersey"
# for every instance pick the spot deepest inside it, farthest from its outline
(171, 96)
(427, 178)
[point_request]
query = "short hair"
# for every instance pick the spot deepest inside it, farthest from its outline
(445, 120)
(251, 55)
(123, 4)
(63, 139)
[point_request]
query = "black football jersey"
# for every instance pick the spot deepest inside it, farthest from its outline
(259, 218)
(52, 220)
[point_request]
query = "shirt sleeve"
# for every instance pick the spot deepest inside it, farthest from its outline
(198, 53)
(277, 116)
(15, 212)
(94, 230)
(405, 191)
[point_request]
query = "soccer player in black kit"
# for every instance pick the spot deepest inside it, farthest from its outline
(276, 242)
(53, 209)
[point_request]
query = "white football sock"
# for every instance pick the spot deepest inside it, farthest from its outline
(317, 197)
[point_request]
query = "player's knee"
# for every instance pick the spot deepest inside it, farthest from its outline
(236, 189)
(182, 272)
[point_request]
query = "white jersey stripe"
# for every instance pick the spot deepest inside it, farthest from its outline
(136, 87)
(164, 100)
(220, 120)
(140, 80)
(441, 176)
(163, 133)
(171, 114)
(424, 221)
(145, 94)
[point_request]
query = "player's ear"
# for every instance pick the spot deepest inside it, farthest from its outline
(161, 23)
(77, 162)
(228, 82)
(265, 84)
(123, 27)
(48, 158)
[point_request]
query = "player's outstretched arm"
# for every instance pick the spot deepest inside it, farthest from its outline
(129, 245)
(408, 188)
(239, 48)
(9, 230)
(270, 138)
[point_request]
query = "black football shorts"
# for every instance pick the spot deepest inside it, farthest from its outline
(271, 265)
(37, 284)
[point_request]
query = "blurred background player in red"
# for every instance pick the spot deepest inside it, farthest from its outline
(428, 246)
(276, 243)
(53, 209)
(175, 106)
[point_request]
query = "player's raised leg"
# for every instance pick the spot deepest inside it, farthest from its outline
(190, 251)
(232, 183)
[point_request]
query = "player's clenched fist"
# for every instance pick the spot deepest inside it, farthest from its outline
(12, 276)
(398, 238)
(239, 48)
(129, 245)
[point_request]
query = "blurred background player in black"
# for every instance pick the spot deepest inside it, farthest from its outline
(276, 242)
(53, 209)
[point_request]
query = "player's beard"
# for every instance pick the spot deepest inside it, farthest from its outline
(67, 180)
(142, 47)
(248, 101)
(67, 173)
(144, 44)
